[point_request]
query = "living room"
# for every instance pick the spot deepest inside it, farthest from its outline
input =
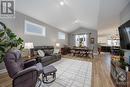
(64, 43)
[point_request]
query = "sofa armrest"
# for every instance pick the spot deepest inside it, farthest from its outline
(25, 71)
(29, 63)
(57, 55)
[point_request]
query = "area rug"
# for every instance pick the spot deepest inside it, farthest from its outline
(72, 73)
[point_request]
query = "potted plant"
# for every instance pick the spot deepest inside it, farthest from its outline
(8, 40)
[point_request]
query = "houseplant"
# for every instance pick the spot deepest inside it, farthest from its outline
(8, 40)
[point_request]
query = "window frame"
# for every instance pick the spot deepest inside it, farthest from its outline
(61, 33)
(34, 24)
(78, 36)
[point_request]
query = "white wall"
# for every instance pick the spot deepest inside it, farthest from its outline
(125, 14)
(109, 18)
(17, 26)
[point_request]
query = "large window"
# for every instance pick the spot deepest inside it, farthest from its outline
(81, 40)
(34, 29)
(61, 35)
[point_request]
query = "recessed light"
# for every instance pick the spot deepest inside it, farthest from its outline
(61, 3)
(76, 21)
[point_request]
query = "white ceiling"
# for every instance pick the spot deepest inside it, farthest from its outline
(92, 14)
(109, 14)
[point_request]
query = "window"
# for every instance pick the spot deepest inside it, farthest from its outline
(61, 35)
(34, 29)
(113, 42)
(81, 40)
(109, 42)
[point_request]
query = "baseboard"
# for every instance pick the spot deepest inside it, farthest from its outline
(3, 71)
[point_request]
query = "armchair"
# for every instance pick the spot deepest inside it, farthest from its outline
(24, 74)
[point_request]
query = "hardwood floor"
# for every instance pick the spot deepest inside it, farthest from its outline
(5, 81)
(100, 77)
(101, 71)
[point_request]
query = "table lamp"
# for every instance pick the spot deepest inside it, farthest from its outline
(28, 45)
(57, 48)
(57, 45)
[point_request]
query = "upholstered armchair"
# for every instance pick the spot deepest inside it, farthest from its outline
(24, 74)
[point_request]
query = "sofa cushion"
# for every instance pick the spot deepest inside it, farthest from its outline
(46, 58)
(48, 52)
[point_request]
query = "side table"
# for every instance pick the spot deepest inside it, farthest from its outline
(49, 71)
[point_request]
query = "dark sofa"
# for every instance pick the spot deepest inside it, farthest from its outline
(49, 57)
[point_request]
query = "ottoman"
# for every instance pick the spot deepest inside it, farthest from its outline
(49, 71)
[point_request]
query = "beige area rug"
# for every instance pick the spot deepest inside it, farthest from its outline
(69, 56)
(72, 73)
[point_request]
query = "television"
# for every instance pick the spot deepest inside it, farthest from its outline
(124, 33)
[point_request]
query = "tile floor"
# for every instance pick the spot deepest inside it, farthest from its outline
(72, 73)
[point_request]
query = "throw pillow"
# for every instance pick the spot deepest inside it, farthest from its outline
(48, 52)
(41, 53)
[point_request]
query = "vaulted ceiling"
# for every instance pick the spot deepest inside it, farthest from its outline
(68, 15)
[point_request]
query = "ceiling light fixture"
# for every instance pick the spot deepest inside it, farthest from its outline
(62, 3)
(76, 21)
